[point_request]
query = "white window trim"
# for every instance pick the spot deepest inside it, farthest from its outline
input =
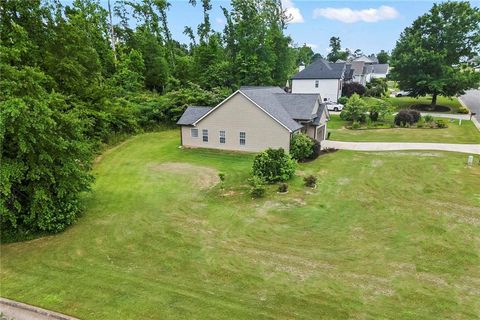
(240, 138)
(203, 135)
(220, 136)
(191, 135)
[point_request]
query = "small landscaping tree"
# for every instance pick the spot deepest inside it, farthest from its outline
(274, 165)
(258, 189)
(301, 147)
(379, 110)
(355, 109)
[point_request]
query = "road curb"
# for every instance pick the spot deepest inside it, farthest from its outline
(474, 120)
(33, 309)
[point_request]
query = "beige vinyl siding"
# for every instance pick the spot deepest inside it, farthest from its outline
(236, 115)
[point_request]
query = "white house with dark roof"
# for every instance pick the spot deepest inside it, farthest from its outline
(320, 77)
(253, 119)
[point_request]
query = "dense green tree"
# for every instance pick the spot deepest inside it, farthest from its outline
(130, 72)
(255, 43)
(303, 54)
(430, 56)
(336, 52)
(44, 155)
(383, 56)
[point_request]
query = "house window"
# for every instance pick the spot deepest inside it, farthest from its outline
(316, 83)
(222, 136)
(205, 135)
(243, 137)
(194, 133)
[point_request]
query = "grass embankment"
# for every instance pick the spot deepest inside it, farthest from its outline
(384, 235)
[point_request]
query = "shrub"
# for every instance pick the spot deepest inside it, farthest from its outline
(440, 123)
(407, 117)
(301, 147)
(379, 110)
(356, 125)
(258, 189)
(428, 118)
(343, 100)
(352, 88)
(373, 114)
(316, 150)
(377, 87)
(282, 187)
(463, 110)
(354, 109)
(415, 115)
(310, 181)
(274, 165)
(221, 176)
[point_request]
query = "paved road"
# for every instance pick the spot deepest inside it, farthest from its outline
(394, 146)
(13, 310)
(472, 99)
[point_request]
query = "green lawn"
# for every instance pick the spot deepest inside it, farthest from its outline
(405, 102)
(390, 235)
(455, 133)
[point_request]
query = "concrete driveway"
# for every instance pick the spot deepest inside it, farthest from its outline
(472, 100)
(395, 146)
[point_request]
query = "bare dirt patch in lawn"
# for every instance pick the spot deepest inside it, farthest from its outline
(203, 177)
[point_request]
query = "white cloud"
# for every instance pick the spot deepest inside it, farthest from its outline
(348, 15)
(292, 12)
(220, 21)
(311, 45)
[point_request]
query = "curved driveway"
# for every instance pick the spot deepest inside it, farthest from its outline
(471, 99)
(395, 146)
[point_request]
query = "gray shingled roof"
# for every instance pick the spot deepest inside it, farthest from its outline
(321, 69)
(298, 105)
(380, 68)
(321, 109)
(192, 114)
(267, 98)
(286, 108)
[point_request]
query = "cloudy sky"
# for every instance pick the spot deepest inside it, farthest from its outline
(368, 25)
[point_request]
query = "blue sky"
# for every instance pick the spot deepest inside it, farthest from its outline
(367, 25)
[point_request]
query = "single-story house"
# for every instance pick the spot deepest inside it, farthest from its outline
(253, 119)
(320, 77)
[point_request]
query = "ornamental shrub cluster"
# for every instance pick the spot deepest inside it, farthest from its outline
(274, 165)
(407, 117)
